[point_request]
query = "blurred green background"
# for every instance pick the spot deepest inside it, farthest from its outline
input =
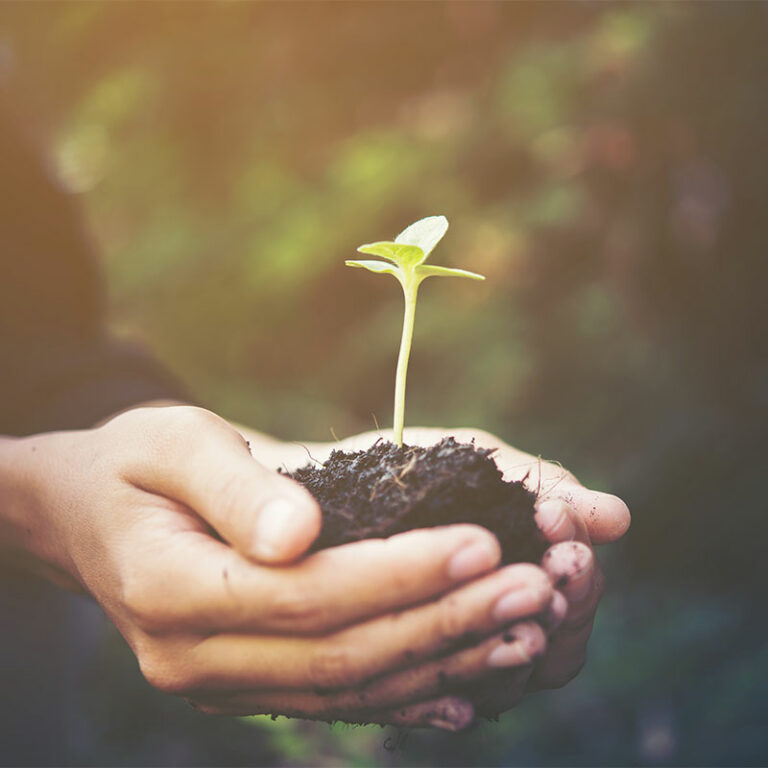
(603, 164)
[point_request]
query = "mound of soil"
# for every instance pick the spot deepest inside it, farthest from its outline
(389, 489)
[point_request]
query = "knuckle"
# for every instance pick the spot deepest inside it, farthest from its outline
(192, 416)
(156, 432)
(450, 623)
(184, 422)
(131, 419)
(162, 674)
(331, 666)
(536, 581)
(177, 419)
(400, 581)
(297, 606)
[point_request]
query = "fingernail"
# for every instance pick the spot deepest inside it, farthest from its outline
(571, 567)
(455, 715)
(516, 604)
(555, 521)
(273, 526)
(509, 655)
(472, 560)
(444, 725)
(581, 572)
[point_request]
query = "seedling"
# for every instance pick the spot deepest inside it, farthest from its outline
(406, 258)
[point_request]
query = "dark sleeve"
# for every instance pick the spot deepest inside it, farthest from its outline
(58, 367)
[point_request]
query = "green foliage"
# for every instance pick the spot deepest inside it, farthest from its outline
(407, 255)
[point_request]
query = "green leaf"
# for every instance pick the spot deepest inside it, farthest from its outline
(425, 233)
(380, 267)
(403, 255)
(427, 270)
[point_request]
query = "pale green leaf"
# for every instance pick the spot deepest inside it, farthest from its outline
(401, 254)
(427, 270)
(425, 233)
(380, 267)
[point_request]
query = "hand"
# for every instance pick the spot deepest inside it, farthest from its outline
(190, 546)
(572, 518)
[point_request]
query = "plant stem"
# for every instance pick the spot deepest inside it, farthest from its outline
(410, 291)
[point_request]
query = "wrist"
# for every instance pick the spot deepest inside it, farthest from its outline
(29, 537)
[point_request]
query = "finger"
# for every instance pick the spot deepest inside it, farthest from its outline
(554, 616)
(581, 613)
(197, 458)
(448, 713)
(567, 650)
(505, 691)
(207, 584)
(571, 566)
(568, 644)
(516, 647)
(354, 655)
(565, 657)
(558, 521)
(606, 516)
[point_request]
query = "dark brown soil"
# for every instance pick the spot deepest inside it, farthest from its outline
(389, 489)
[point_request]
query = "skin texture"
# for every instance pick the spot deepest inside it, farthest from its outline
(192, 545)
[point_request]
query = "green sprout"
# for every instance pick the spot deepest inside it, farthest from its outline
(406, 258)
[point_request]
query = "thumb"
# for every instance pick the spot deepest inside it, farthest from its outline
(198, 459)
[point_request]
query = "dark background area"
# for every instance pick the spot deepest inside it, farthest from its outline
(603, 165)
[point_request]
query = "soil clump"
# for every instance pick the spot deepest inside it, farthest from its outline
(389, 489)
